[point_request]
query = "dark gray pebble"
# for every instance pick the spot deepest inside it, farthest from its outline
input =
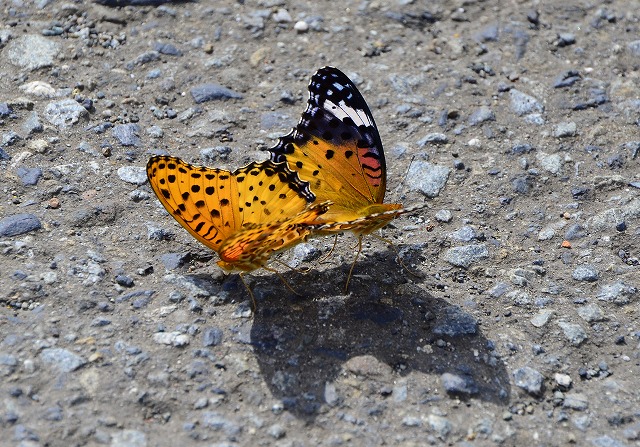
(210, 92)
(29, 176)
(19, 224)
(211, 336)
(100, 322)
(139, 293)
(173, 261)
(167, 48)
(519, 149)
(4, 155)
(5, 110)
(142, 59)
(481, 115)
(124, 280)
(455, 322)
(566, 79)
(459, 385)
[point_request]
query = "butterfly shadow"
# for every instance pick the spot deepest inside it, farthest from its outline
(303, 342)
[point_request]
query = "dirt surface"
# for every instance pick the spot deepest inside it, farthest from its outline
(518, 120)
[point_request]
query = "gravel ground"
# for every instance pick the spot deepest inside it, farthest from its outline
(518, 122)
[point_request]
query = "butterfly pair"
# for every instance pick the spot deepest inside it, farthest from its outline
(327, 176)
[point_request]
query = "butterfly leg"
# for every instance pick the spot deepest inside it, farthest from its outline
(303, 271)
(346, 286)
(395, 249)
(325, 257)
(254, 305)
(281, 278)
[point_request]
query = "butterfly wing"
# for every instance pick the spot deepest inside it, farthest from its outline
(250, 204)
(336, 146)
(368, 223)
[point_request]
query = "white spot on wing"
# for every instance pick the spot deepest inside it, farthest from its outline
(342, 111)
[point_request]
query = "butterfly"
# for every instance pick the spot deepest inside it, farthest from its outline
(336, 147)
(246, 216)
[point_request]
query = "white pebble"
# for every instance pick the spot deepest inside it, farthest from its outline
(301, 26)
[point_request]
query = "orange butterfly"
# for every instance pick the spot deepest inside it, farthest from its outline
(336, 147)
(245, 216)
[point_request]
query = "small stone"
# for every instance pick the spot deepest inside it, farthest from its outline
(277, 431)
(440, 425)
(144, 58)
(573, 332)
(124, 280)
(282, 16)
(550, 162)
(211, 336)
(176, 339)
(575, 401)
(563, 380)
(464, 234)
(427, 178)
(444, 216)
(618, 292)
(433, 138)
(62, 359)
(65, 113)
(412, 421)
(466, 255)
(5, 110)
(481, 115)
(32, 124)
(591, 313)
(136, 175)
(566, 39)
(454, 322)
(128, 438)
(31, 52)
(18, 224)
(529, 380)
(521, 185)
(211, 154)
(211, 92)
(173, 261)
(565, 130)
(459, 385)
(575, 232)
(523, 104)
(167, 48)
(301, 27)
(127, 134)
(542, 318)
(29, 176)
(585, 273)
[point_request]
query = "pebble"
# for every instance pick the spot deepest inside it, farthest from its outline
(575, 232)
(585, 273)
(481, 115)
(172, 261)
(282, 16)
(128, 438)
(444, 216)
(542, 318)
(19, 224)
(218, 422)
(62, 359)
(29, 176)
(32, 52)
(301, 26)
(277, 431)
(65, 113)
(565, 130)
(454, 322)
(466, 255)
(591, 313)
(573, 332)
(575, 401)
(210, 92)
(155, 132)
(566, 79)
(144, 58)
(550, 162)
(211, 336)
(618, 292)
(176, 339)
(440, 425)
(32, 124)
(427, 178)
(459, 385)
(136, 175)
(634, 48)
(521, 185)
(464, 234)
(167, 48)
(38, 88)
(211, 154)
(563, 380)
(523, 104)
(433, 138)
(5, 110)
(412, 421)
(529, 380)
(127, 134)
